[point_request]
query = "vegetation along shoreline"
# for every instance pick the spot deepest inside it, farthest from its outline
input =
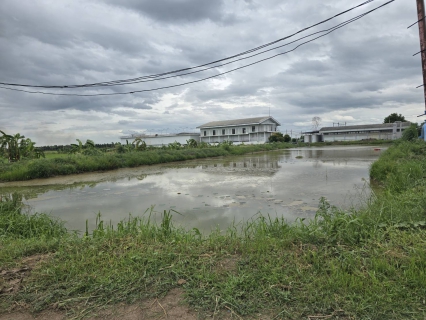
(27, 162)
(366, 263)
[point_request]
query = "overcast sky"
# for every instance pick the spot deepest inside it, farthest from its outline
(358, 74)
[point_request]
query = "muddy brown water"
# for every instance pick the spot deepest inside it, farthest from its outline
(209, 193)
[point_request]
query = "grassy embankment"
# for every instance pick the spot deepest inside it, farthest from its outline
(56, 164)
(72, 164)
(363, 264)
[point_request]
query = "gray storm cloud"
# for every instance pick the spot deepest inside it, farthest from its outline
(363, 71)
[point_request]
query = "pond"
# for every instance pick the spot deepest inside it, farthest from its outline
(209, 193)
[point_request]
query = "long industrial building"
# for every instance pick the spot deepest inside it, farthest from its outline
(385, 131)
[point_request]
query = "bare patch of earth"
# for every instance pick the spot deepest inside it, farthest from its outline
(10, 280)
(47, 315)
(228, 264)
(169, 307)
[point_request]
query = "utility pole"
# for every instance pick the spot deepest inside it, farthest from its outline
(422, 36)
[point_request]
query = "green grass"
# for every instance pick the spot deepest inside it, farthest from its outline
(54, 155)
(365, 264)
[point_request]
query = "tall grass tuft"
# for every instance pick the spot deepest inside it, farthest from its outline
(16, 224)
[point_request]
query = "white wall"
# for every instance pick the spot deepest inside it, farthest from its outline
(165, 140)
(260, 134)
(252, 138)
(238, 129)
(228, 130)
(361, 136)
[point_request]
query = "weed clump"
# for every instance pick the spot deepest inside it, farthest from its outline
(16, 224)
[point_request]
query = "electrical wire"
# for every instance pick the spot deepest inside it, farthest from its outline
(210, 77)
(127, 81)
(218, 66)
(419, 52)
(415, 22)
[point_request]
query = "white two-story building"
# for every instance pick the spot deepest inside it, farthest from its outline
(248, 131)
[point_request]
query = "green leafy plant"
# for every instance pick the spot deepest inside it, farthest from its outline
(191, 143)
(16, 147)
(139, 144)
(411, 133)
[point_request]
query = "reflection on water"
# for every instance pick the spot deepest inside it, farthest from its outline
(246, 163)
(210, 192)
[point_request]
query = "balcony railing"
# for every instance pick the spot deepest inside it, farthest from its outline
(236, 134)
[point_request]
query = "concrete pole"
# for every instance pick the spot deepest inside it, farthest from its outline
(422, 36)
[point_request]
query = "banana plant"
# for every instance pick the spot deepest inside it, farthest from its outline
(129, 147)
(175, 145)
(139, 144)
(89, 144)
(77, 148)
(28, 149)
(124, 148)
(119, 148)
(39, 153)
(9, 145)
(191, 143)
(90, 149)
(80, 148)
(203, 145)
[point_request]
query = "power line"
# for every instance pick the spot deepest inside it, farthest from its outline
(419, 52)
(127, 81)
(415, 22)
(216, 66)
(210, 77)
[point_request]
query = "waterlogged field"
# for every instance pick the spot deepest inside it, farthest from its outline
(368, 263)
(209, 193)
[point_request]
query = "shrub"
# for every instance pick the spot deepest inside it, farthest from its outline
(276, 137)
(411, 133)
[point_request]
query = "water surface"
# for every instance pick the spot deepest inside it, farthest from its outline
(209, 192)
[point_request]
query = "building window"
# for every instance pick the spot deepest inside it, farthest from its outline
(214, 132)
(253, 129)
(244, 130)
(233, 131)
(205, 133)
(223, 131)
